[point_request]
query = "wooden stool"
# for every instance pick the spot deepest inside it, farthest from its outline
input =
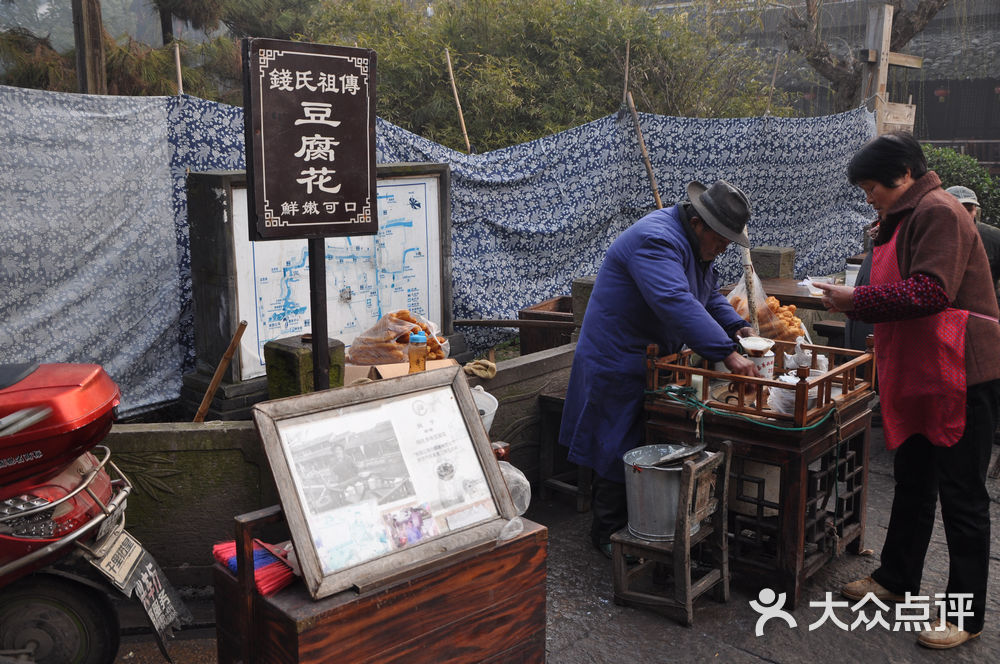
(702, 500)
(576, 482)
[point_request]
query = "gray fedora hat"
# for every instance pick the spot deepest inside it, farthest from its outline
(724, 208)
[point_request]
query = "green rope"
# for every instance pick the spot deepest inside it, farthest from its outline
(685, 397)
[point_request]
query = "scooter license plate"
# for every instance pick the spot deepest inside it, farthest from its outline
(121, 560)
(111, 523)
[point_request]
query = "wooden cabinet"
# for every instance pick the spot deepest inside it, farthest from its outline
(797, 497)
(486, 606)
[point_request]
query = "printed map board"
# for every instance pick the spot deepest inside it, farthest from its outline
(405, 266)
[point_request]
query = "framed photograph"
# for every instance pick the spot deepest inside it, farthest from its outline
(382, 478)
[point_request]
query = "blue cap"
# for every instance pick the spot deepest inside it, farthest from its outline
(418, 337)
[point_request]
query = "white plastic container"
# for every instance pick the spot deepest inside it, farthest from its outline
(487, 405)
(851, 274)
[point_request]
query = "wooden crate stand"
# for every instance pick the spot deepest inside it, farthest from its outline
(851, 372)
(799, 482)
(485, 606)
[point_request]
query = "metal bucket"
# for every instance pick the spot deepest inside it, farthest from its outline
(652, 491)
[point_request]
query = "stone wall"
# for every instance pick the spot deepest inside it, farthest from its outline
(192, 479)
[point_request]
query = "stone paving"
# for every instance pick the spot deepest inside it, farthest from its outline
(584, 626)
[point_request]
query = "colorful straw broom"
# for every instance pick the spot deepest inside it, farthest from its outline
(271, 572)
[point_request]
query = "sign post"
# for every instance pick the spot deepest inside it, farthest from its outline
(309, 118)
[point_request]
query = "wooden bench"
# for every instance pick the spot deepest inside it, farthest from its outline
(833, 330)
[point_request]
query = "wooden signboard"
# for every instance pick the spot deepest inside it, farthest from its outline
(384, 478)
(310, 139)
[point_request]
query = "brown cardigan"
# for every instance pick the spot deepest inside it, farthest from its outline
(941, 240)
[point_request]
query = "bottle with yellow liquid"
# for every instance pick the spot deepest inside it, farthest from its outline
(417, 352)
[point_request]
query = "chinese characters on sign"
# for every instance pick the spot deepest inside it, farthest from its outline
(310, 139)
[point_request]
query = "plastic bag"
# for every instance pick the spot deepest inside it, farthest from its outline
(517, 484)
(803, 357)
(386, 341)
(520, 494)
(774, 320)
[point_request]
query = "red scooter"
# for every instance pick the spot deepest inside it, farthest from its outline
(63, 546)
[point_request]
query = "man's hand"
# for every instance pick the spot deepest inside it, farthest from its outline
(745, 332)
(738, 364)
(837, 297)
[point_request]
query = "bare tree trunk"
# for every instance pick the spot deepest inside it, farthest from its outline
(802, 29)
(166, 26)
(88, 33)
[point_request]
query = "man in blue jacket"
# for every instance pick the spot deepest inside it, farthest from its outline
(656, 285)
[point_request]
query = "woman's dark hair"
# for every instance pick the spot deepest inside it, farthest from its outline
(886, 158)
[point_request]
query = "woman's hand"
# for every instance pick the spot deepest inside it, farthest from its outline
(738, 364)
(836, 297)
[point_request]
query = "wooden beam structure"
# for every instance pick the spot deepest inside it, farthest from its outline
(88, 33)
(889, 116)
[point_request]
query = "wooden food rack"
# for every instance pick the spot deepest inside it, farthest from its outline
(798, 480)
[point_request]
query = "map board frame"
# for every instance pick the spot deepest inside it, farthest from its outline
(414, 483)
(310, 139)
(435, 179)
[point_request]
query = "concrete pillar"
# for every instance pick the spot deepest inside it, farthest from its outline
(773, 262)
(290, 365)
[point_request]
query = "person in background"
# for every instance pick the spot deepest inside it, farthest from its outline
(936, 335)
(856, 331)
(655, 286)
(989, 234)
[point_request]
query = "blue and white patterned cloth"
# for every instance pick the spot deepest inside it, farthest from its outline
(97, 263)
(89, 261)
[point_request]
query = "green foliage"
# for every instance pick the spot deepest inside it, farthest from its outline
(274, 19)
(132, 68)
(220, 64)
(28, 61)
(955, 168)
(525, 69)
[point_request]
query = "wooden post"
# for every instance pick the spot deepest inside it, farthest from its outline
(177, 64)
(877, 41)
(628, 44)
(774, 78)
(317, 312)
(645, 155)
(219, 370)
(88, 34)
(454, 89)
(748, 281)
(877, 57)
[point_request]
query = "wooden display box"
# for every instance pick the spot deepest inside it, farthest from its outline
(534, 339)
(849, 379)
(486, 605)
